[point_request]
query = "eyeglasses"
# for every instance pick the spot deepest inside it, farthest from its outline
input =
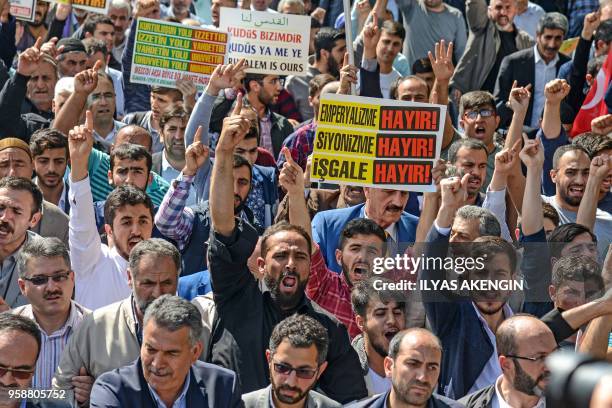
(275, 81)
(304, 373)
(43, 279)
(533, 359)
(17, 373)
(484, 113)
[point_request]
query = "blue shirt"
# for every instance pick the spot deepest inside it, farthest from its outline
(180, 402)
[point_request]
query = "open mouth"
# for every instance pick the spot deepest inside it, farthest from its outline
(577, 191)
(474, 182)
(480, 131)
(288, 284)
(361, 271)
(389, 334)
(5, 230)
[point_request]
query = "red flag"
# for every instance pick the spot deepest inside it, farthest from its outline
(594, 104)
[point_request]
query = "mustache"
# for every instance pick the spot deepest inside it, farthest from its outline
(420, 384)
(6, 227)
(156, 372)
(55, 293)
(394, 208)
(51, 174)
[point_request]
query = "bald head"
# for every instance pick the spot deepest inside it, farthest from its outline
(134, 134)
(413, 338)
(522, 334)
(331, 87)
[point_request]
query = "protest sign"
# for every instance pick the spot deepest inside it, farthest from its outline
(165, 52)
(377, 142)
(94, 6)
(24, 10)
(271, 43)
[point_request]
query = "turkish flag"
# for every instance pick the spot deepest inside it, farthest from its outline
(594, 104)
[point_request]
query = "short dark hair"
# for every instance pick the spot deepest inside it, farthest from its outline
(93, 46)
(487, 246)
(173, 313)
(422, 66)
(124, 195)
(595, 64)
(551, 213)
(363, 226)
(162, 90)
(573, 268)
(468, 143)
(301, 331)
(593, 143)
(603, 32)
(396, 341)
(561, 150)
(23, 184)
(240, 161)
(92, 21)
(488, 224)
(42, 247)
(476, 100)
(363, 293)
(552, 21)
(317, 83)
(564, 234)
(395, 85)
(281, 227)
(395, 28)
(130, 151)
(14, 322)
(175, 112)
(326, 39)
(48, 138)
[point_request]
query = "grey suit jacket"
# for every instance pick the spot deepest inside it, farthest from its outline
(54, 223)
(261, 399)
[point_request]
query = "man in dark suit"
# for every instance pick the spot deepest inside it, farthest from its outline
(383, 206)
(413, 364)
(167, 372)
(296, 358)
(536, 66)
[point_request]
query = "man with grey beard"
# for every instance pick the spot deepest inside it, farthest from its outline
(111, 336)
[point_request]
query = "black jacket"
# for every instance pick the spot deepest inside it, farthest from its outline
(12, 122)
(246, 317)
(480, 399)
(519, 66)
(379, 401)
(209, 386)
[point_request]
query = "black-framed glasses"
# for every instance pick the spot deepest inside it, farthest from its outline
(533, 359)
(484, 113)
(20, 374)
(43, 279)
(286, 369)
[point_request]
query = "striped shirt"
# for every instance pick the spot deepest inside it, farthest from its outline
(53, 344)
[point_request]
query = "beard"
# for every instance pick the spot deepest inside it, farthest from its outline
(143, 304)
(332, 67)
(573, 201)
(524, 383)
(283, 300)
(240, 205)
(378, 347)
(402, 391)
(301, 394)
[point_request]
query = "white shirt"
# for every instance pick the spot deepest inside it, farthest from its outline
(169, 174)
(100, 272)
(492, 370)
(386, 81)
(499, 402)
(108, 140)
(544, 73)
(380, 384)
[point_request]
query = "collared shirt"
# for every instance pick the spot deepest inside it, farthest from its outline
(52, 345)
(109, 139)
(544, 73)
(63, 202)
(528, 20)
(265, 125)
(492, 370)
(300, 144)
(499, 402)
(179, 402)
(100, 272)
(379, 384)
(169, 173)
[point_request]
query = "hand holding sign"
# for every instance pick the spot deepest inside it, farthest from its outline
(195, 155)
(532, 154)
(235, 127)
(442, 61)
(348, 76)
(29, 59)
(291, 177)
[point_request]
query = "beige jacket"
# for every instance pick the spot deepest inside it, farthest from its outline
(105, 340)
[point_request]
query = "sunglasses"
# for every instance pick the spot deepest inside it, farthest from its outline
(43, 279)
(304, 373)
(17, 373)
(484, 113)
